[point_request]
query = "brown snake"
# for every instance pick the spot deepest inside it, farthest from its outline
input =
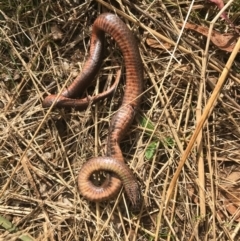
(114, 161)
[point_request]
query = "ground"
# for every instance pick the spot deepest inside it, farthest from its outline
(189, 183)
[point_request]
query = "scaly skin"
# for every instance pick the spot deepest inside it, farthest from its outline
(94, 193)
(123, 118)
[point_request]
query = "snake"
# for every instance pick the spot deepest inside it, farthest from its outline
(113, 162)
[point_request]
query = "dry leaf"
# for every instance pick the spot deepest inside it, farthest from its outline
(232, 202)
(233, 210)
(231, 195)
(225, 41)
(233, 177)
(155, 44)
(192, 193)
(57, 34)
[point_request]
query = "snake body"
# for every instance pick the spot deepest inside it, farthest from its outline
(114, 161)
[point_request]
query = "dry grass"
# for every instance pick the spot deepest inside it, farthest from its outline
(43, 46)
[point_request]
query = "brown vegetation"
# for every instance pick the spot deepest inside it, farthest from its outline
(44, 45)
